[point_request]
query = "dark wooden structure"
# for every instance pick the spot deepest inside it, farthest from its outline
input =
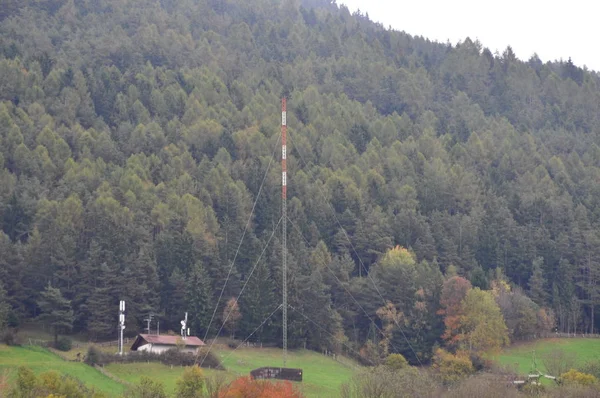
(277, 373)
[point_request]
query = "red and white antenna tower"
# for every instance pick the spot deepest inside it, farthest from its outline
(284, 222)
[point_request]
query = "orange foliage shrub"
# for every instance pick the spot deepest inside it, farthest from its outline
(246, 387)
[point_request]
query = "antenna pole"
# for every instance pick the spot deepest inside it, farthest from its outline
(284, 222)
(184, 326)
(149, 320)
(121, 325)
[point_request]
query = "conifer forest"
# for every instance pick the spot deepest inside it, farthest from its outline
(437, 193)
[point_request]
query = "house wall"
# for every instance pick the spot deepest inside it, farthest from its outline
(161, 348)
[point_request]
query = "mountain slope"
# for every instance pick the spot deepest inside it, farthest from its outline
(135, 137)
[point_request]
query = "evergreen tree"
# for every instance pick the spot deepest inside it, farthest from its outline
(56, 311)
(140, 287)
(4, 308)
(257, 303)
(537, 282)
(199, 299)
(175, 303)
(103, 301)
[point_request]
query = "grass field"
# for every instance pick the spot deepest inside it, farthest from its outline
(168, 375)
(520, 355)
(41, 360)
(322, 376)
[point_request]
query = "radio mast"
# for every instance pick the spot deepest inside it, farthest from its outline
(284, 222)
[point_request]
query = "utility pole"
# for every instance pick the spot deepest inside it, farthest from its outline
(121, 325)
(284, 222)
(148, 321)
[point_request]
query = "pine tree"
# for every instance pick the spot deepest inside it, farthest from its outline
(537, 282)
(199, 299)
(102, 303)
(56, 311)
(176, 301)
(257, 302)
(139, 287)
(4, 308)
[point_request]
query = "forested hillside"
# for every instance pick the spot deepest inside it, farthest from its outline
(135, 137)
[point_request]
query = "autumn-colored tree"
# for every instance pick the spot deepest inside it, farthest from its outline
(370, 353)
(452, 367)
(231, 316)
(390, 317)
(482, 326)
(191, 383)
(245, 387)
(454, 292)
(545, 320)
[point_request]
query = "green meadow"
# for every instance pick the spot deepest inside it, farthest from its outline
(520, 356)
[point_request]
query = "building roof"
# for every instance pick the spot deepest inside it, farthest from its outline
(143, 339)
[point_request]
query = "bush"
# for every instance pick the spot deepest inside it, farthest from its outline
(247, 387)
(170, 357)
(395, 361)
(10, 337)
(368, 355)
(452, 367)
(559, 361)
(64, 344)
(573, 376)
(49, 384)
(534, 390)
(93, 357)
(147, 388)
(382, 381)
(480, 363)
(191, 383)
(483, 385)
(573, 391)
(591, 367)
(12, 321)
(214, 384)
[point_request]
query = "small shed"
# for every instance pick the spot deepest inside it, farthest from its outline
(160, 343)
(277, 373)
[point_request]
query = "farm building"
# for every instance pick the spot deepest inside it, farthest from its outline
(161, 343)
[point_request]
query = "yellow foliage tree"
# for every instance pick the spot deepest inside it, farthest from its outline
(482, 324)
(398, 255)
(452, 367)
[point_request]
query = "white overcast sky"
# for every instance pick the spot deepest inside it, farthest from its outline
(552, 29)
